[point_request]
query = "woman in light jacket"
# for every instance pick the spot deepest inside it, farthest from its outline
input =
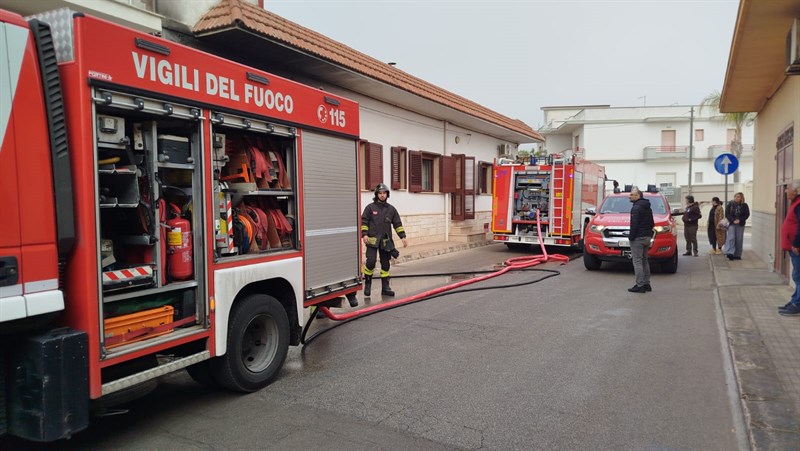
(737, 213)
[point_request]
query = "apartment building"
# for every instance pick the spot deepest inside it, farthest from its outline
(670, 146)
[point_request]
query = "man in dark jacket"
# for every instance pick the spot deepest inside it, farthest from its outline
(640, 235)
(690, 217)
(376, 232)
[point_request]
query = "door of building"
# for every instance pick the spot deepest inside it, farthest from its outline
(784, 162)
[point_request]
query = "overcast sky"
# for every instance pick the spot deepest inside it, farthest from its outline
(518, 56)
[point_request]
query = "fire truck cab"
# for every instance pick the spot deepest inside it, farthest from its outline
(165, 209)
(558, 189)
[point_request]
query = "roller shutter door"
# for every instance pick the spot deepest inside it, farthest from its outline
(330, 206)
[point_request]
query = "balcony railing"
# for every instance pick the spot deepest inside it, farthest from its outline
(665, 152)
(718, 149)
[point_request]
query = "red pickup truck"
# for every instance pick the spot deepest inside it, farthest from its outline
(606, 235)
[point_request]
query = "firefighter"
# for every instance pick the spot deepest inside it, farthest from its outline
(376, 232)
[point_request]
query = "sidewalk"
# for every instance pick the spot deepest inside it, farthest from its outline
(765, 349)
(418, 251)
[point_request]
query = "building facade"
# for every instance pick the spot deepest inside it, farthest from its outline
(651, 145)
(761, 77)
(435, 149)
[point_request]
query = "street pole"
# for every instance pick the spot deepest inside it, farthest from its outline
(691, 150)
(726, 189)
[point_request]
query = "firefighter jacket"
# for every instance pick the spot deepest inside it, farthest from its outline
(377, 222)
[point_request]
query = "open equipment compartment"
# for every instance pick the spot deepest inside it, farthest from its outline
(149, 170)
(254, 182)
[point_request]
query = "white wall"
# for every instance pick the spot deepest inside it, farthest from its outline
(425, 215)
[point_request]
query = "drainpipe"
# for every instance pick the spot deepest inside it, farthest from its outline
(446, 196)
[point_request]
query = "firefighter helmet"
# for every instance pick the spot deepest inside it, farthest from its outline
(381, 187)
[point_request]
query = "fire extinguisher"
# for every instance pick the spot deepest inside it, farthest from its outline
(179, 246)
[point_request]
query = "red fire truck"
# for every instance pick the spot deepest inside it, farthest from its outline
(558, 188)
(164, 209)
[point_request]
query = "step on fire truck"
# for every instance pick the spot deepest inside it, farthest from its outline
(559, 189)
(164, 209)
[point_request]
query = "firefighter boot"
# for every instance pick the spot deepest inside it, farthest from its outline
(386, 290)
(367, 285)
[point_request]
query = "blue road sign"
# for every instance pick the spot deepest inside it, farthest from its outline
(727, 163)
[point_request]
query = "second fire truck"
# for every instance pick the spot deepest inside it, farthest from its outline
(557, 188)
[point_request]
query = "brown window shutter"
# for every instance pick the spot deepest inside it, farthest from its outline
(415, 171)
(448, 174)
(374, 165)
(396, 168)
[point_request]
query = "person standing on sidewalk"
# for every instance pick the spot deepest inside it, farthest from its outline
(715, 215)
(790, 242)
(690, 217)
(640, 235)
(376, 232)
(737, 213)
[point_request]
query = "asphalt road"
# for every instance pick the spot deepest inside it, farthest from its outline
(572, 362)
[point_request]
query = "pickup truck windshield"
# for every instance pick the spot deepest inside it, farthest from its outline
(619, 204)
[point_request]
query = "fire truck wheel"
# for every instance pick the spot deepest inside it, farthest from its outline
(591, 262)
(258, 340)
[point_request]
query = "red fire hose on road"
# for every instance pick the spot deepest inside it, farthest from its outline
(512, 264)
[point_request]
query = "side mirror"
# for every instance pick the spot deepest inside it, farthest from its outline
(591, 211)
(677, 212)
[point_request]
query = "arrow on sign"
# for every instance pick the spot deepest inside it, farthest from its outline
(725, 162)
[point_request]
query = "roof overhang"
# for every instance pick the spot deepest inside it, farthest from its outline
(253, 49)
(757, 59)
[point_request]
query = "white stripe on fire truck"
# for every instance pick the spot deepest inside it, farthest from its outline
(335, 231)
(41, 285)
(13, 39)
(11, 290)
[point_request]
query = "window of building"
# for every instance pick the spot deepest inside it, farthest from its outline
(699, 134)
(371, 165)
(668, 140)
(399, 163)
(423, 171)
(698, 177)
(484, 177)
(427, 174)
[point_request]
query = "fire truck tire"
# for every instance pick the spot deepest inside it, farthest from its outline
(258, 341)
(670, 266)
(591, 262)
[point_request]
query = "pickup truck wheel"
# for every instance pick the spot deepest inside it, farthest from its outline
(591, 262)
(671, 266)
(258, 340)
